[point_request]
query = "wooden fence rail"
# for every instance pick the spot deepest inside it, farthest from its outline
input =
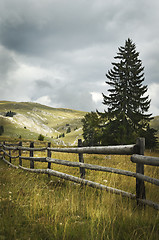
(146, 160)
(136, 150)
(93, 167)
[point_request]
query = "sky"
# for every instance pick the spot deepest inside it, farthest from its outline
(57, 52)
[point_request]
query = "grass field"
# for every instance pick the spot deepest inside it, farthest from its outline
(32, 119)
(34, 206)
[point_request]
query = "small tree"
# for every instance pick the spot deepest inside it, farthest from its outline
(68, 130)
(61, 135)
(41, 137)
(10, 114)
(91, 130)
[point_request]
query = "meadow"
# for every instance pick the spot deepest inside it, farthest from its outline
(32, 119)
(35, 206)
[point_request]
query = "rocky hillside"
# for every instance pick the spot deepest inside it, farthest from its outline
(27, 120)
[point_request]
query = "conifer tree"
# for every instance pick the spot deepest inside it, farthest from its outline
(91, 131)
(127, 103)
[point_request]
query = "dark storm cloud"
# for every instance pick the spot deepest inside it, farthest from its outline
(58, 51)
(48, 25)
(39, 26)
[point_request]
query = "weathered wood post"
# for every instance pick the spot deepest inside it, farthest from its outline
(10, 157)
(31, 155)
(140, 186)
(4, 148)
(49, 155)
(81, 159)
(20, 153)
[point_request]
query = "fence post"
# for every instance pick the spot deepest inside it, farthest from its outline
(81, 159)
(4, 149)
(32, 155)
(49, 155)
(10, 158)
(140, 186)
(20, 153)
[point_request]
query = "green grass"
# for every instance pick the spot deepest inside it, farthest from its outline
(34, 206)
(155, 124)
(44, 117)
(32, 119)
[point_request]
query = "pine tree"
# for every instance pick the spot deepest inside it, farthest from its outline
(41, 137)
(68, 130)
(91, 131)
(127, 101)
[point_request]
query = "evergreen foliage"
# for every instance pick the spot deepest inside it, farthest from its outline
(127, 103)
(61, 135)
(126, 116)
(10, 114)
(91, 131)
(41, 137)
(68, 130)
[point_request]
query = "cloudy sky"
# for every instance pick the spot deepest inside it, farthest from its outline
(57, 52)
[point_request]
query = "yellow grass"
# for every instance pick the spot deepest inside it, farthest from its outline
(35, 206)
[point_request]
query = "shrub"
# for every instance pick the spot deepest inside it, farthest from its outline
(68, 130)
(41, 137)
(10, 114)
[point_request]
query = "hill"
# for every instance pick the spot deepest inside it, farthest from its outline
(27, 120)
(155, 124)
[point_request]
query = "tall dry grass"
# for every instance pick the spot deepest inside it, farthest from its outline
(35, 206)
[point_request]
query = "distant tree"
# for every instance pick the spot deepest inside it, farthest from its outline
(150, 138)
(68, 130)
(127, 103)
(10, 114)
(61, 135)
(41, 137)
(91, 130)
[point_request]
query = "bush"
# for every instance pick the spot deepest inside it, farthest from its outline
(68, 130)
(61, 135)
(10, 114)
(41, 137)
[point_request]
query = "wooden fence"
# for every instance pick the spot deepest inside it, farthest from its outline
(135, 150)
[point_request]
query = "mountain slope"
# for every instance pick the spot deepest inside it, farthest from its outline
(155, 124)
(31, 119)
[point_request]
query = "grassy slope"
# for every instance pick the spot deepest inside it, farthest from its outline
(155, 124)
(34, 206)
(40, 119)
(32, 119)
